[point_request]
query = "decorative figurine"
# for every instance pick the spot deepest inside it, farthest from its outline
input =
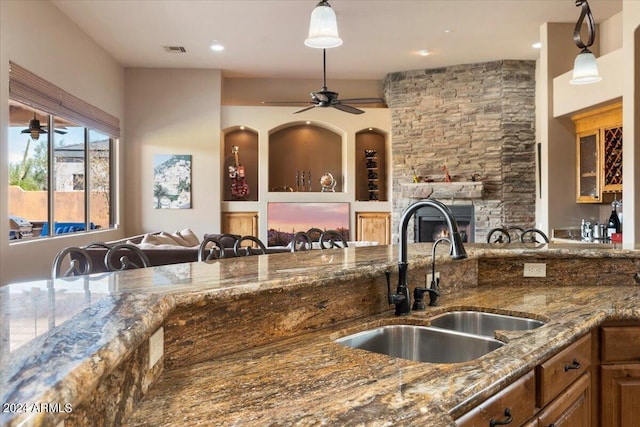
(328, 183)
(447, 177)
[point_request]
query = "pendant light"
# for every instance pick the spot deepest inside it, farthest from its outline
(34, 128)
(323, 27)
(585, 67)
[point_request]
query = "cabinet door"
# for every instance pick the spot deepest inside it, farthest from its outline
(374, 227)
(572, 408)
(588, 167)
(620, 395)
(241, 223)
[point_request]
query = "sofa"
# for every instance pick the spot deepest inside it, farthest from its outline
(162, 248)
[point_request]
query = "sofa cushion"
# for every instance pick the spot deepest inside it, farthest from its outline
(159, 239)
(178, 240)
(188, 236)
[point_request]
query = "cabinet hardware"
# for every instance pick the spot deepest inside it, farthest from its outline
(574, 365)
(507, 413)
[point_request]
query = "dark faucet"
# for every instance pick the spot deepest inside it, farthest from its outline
(401, 297)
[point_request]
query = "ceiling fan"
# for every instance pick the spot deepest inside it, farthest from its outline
(35, 129)
(326, 98)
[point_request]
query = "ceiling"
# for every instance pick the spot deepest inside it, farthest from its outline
(264, 38)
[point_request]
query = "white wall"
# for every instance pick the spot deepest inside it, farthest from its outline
(631, 121)
(172, 111)
(40, 38)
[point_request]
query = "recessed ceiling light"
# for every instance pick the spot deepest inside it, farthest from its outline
(241, 127)
(424, 52)
(216, 46)
(448, 31)
(308, 122)
(537, 45)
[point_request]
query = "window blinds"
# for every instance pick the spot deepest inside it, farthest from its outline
(26, 87)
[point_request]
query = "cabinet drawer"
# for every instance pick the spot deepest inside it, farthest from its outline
(558, 372)
(519, 398)
(620, 343)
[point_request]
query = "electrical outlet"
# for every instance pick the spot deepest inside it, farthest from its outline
(535, 269)
(156, 347)
(427, 279)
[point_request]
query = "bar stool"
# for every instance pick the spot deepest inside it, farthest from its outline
(118, 257)
(78, 259)
(210, 248)
(249, 250)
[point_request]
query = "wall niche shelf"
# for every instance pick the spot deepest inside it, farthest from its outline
(247, 142)
(300, 154)
(371, 161)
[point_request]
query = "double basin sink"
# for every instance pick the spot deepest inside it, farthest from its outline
(452, 337)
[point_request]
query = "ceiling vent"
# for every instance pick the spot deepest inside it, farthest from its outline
(175, 49)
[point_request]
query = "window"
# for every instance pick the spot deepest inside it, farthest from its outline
(60, 180)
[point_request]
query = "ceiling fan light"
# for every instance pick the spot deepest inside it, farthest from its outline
(323, 28)
(585, 69)
(34, 130)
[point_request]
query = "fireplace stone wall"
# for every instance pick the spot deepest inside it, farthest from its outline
(478, 120)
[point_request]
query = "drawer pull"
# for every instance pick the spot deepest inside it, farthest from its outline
(507, 413)
(574, 365)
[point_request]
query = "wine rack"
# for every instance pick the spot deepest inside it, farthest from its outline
(371, 158)
(612, 160)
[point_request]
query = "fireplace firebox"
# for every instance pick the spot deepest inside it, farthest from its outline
(430, 224)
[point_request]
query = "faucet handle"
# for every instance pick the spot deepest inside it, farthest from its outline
(418, 297)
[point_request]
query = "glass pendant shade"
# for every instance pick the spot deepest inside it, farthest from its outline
(323, 28)
(585, 69)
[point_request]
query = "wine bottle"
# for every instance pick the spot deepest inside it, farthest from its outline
(613, 225)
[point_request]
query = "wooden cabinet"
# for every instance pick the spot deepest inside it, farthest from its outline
(557, 373)
(571, 408)
(620, 395)
(241, 223)
(598, 154)
(620, 376)
(556, 393)
(517, 402)
(374, 227)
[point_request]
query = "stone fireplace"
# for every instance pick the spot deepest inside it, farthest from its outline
(478, 120)
(431, 225)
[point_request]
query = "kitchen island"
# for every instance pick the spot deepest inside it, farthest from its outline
(251, 341)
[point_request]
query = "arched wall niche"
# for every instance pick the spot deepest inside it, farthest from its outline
(246, 139)
(308, 149)
(371, 160)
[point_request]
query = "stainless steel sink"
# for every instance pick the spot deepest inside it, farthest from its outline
(482, 323)
(421, 343)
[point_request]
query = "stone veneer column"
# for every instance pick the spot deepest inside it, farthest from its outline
(474, 119)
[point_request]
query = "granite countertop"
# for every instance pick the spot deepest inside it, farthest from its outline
(61, 338)
(311, 380)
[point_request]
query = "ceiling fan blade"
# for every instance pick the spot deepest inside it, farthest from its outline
(347, 108)
(364, 101)
(284, 102)
(304, 109)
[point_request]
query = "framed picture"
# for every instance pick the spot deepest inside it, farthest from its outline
(286, 219)
(172, 181)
